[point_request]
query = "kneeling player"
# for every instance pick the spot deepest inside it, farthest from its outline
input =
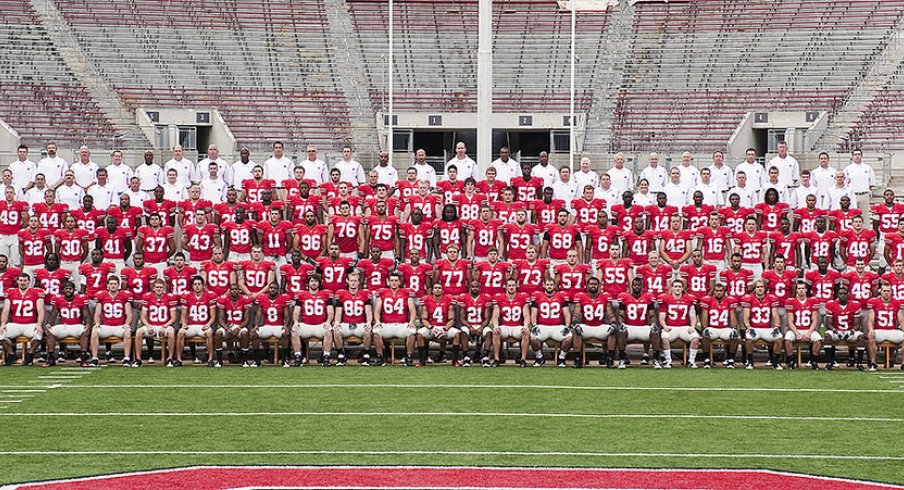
(844, 325)
(354, 317)
(510, 318)
(69, 319)
(158, 315)
(884, 323)
(678, 319)
(271, 322)
(197, 320)
(761, 323)
(637, 315)
(395, 318)
(475, 319)
(801, 313)
(593, 319)
(112, 318)
(23, 315)
(234, 321)
(438, 324)
(719, 323)
(313, 319)
(551, 317)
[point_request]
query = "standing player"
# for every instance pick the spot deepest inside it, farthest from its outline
(737, 281)
(71, 244)
(275, 236)
(115, 241)
(571, 276)
(600, 238)
(333, 268)
(310, 238)
(615, 273)
(447, 231)
(655, 275)
(199, 238)
(699, 278)
(714, 240)
(382, 230)
(779, 280)
(346, 231)
(785, 243)
(492, 273)
(416, 235)
(517, 237)
(33, 245)
(560, 238)
(675, 244)
(639, 243)
(862, 283)
(157, 243)
(752, 245)
(453, 273)
(530, 272)
(256, 274)
(239, 235)
(483, 234)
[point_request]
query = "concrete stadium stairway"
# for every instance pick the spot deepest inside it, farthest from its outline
(129, 135)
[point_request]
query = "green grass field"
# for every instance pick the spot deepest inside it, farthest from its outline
(440, 415)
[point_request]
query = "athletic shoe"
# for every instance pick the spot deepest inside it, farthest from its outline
(792, 365)
(560, 363)
(340, 360)
(850, 362)
(691, 364)
(137, 363)
(466, 362)
(408, 361)
(210, 364)
(830, 366)
(777, 366)
(769, 363)
(748, 365)
(707, 364)
(730, 364)
(365, 360)
(94, 362)
(523, 363)
(197, 361)
(495, 363)
(151, 360)
(814, 366)
(578, 363)
(667, 365)
(622, 364)
(610, 363)
(379, 362)
(872, 368)
(859, 367)
(324, 361)
(218, 364)
(177, 363)
(539, 361)
(656, 364)
(809, 364)
(485, 362)
(298, 361)
(245, 364)
(126, 362)
(110, 358)
(645, 359)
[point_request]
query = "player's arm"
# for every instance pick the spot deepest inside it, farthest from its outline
(662, 317)
(870, 320)
(451, 314)
(692, 316)
(378, 307)
(688, 248)
(4, 316)
(412, 312)
(544, 246)
(97, 313)
(814, 316)
(494, 321)
(368, 314)
(704, 316)
(900, 317)
(566, 314)
(579, 249)
(243, 286)
(790, 318)
(746, 316)
(525, 315)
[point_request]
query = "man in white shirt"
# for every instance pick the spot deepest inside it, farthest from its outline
(861, 179)
(185, 168)
(798, 199)
(565, 188)
(839, 190)
(243, 168)
(386, 173)
(277, 168)
(349, 169)
(788, 168)
(213, 156)
(424, 170)
(689, 173)
(173, 190)
(213, 187)
(749, 195)
(606, 192)
(315, 168)
(774, 181)
(8, 182)
(752, 169)
(36, 193)
(585, 176)
(23, 169)
(53, 167)
(466, 167)
(676, 194)
(544, 170)
(712, 193)
(103, 193)
(84, 169)
(149, 173)
(118, 173)
(135, 193)
(507, 168)
(823, 176)
(721, 175)
(622, 178)
(656, 174)
(70, 193)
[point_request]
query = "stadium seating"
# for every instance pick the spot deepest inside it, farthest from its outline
(38, 97)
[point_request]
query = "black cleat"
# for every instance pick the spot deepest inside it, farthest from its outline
(523, 363)
(177, 363)
(707, 364)
(137, 363)
(578, 363)
(644, 360)
(379, 362)
(408, 361)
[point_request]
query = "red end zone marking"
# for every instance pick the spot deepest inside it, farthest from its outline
(222, 478)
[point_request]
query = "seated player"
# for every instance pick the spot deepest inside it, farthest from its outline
(884, 323)
(272, 320)
(761, 324)
(474, 310)
(197, 320)
(801, 315)
(678, 319)
(353, 318)
(511, 317)
(637, 315)
(234, 313)
(438, 324)
(312, 318)
(593, 319)
(551, 317)
(394, 318)
(112, 318)
(843, 323)
(69, 318)
(158, 315)
(23, 315)
(719, 322)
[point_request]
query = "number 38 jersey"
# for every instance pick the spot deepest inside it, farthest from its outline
(511, 309)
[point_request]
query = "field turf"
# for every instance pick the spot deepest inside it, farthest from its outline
(111, 419)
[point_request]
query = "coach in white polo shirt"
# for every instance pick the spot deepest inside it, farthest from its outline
(185, 168)
(788, 168)
(861, 179)
(689, 173)
(424, 170)
(149, 173)
(676, 194)
(823, 176)
(755, 173)
(655, 174)
(565, 188)
(544, 170)
(243, 168)
(213, 187)
(386, 173)
(84, 169)
(278, 167)
(349, 168)
(585, 176)
(749, 194)
(23, 169)
(118, 173)
(712, 193)
(508, 168)
(213, 156)
(622, 178)
(53, 167)
(466, 167)
(839, 190)
(70, 193)
(721, 175)
(135, 193)
(103, 192)
(315, 168)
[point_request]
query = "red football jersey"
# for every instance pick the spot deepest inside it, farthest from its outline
(255, 275)
(34, 245)
(155, 242)
(11, 216)
(862, 287)
(695, 217)
(736, 282)
(886, 314)
(801, 311)
(71, 246)
(841, 221)
(437, 310)
(126, 218)
(593, 310)
(376, 276)
(113, 244)
(274, 309)
(165, 209)
(492, 276)
(718, 312)
(311, 239)
(698, 279)
(820, 244)
(714, 242)
(659, 217)
(636, 309)
(518, 238)
(89, 220)
(786, 246)
(333, 272)
(50, 217)
(676, 244)
(158, 309)
(95, 278)
(381, 231)
(70, 311)
(394, 305)
(416, 237)
(614, 275)
(571, 279)
(295, 279)
(677, 310)
(200, 240)
(346, 232)
(751, 246)
(771, 215)
(544, 213)
(353, 305)
(530, 276)
(239, 235)
(474, 310)
(511, 310)
(639, 246)
(274, 241)
(561, 239)
(780, 286)
(449, 233)
(300, 206)
(453, 277)
(549, 308)
(625, 217)
(253, 188)
(138, 281)
(823, 287)
(51, 282)
(845, 318)
(492, 191)
(656, 281)
(450, 190)
(806, 219)
(529, 189)
(217, 276)
(113, 308)
(896, 283)
(178, 282)
(485, 235)
(23, 305)
(507, 212)
(188, 207)
(427, 205)
(734, 219)
(601, 239)
(416, 278)
(234, 310)
(858, 245)
(760, 310)
(313, 306)
(887, 216)
(587, 212)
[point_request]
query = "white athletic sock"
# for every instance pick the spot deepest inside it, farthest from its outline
(692, 355)
(667, 355)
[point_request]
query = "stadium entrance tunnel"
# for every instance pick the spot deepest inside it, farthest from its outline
(387, 477)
